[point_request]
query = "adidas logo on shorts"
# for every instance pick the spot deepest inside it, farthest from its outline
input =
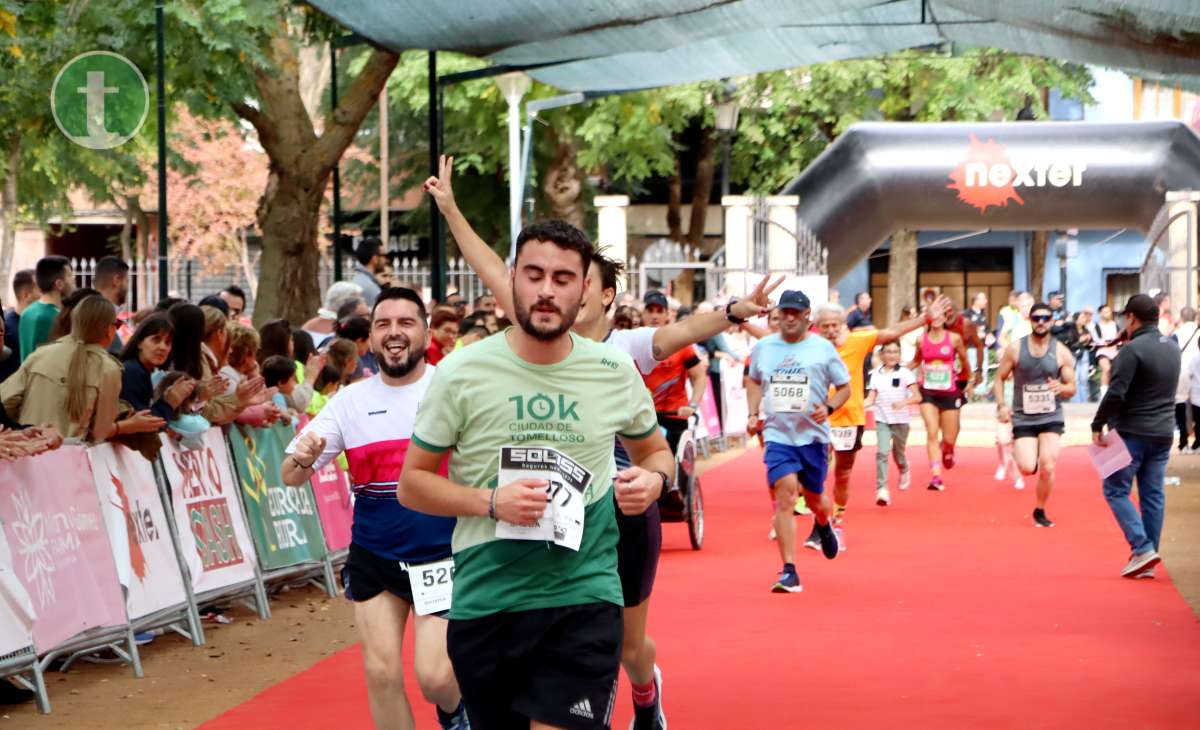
(583, 708)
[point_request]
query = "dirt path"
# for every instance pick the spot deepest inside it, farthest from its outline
(185, 685)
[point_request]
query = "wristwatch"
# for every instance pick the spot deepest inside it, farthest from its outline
(729, 315)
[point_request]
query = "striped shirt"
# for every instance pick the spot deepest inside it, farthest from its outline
(373, 423)
(891, 387)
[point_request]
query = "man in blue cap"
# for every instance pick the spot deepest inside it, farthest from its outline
(793, 370)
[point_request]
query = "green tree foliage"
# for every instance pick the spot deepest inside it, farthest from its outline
(789, 117)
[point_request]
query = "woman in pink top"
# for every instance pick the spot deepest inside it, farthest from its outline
(940, 396)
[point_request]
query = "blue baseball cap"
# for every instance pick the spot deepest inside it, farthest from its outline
(655, 297)
(794, 299)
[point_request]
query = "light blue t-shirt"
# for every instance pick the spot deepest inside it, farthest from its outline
(811, 364)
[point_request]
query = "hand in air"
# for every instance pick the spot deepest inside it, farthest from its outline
(757, 302)
(439, 188)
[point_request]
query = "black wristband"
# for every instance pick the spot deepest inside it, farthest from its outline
(302, 466)
(492, 503)
(665, 478)
(730, 316)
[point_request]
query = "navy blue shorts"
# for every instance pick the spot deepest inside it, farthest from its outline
(810, 463)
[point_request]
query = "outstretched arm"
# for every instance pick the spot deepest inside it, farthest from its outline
(479, 255)
(699, 327)
(943, 304)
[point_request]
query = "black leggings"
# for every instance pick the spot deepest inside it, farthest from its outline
(1181, 414)
(1195, 424)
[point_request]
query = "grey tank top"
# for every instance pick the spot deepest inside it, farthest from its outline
(1030, 389)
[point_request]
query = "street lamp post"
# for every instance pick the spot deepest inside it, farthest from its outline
(514, 86)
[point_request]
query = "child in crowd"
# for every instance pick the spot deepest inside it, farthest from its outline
(186, 421)
(279, 372)
(892, 389)
(326, 384)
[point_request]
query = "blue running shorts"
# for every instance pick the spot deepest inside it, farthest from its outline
(810, 463)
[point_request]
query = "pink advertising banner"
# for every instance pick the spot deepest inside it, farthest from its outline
(208, 512)
(137, 528)
(710, 423)
(16, 606)
(59, 545)
(335, 503)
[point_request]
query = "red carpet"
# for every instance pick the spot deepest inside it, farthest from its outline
(948, 610)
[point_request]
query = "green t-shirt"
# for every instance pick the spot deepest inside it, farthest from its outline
(36, 322)
(484, 397)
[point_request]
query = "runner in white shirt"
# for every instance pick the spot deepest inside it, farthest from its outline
(891, 392)
(393, 548)
(640, 535)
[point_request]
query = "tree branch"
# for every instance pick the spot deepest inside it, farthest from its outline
(352, 109)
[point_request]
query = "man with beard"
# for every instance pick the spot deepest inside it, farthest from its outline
(530, 416)
(1044, 376)
(372, 421)
(640, 535)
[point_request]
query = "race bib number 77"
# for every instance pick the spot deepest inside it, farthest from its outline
(562, 522)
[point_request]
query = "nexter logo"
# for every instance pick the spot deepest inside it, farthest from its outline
(989, 177)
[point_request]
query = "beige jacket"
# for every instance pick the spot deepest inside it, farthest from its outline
(37, 394)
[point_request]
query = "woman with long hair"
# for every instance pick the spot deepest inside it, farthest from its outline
(941, 399)
(1105, 333)
(149, 349)
(62, 323)
(188, 357)
(275, 338)
(73, 383)
(216, 338)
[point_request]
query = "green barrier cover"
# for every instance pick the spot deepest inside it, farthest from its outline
(283, 520)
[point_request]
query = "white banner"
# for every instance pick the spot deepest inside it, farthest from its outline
(734, 408)
(16, 607)
(137, 530)
(204, 495)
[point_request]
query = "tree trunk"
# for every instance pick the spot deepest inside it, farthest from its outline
(301, 163)
(8, 208)
(1037, 263)
(288, 218)
(902, 277)
(564, 184)
(675, 203)
(126, 229)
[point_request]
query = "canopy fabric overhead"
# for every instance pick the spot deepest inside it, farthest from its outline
(609, 45)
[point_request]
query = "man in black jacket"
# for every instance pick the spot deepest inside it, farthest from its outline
(1140, 406)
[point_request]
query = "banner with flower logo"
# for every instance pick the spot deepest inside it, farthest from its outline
(56, 536)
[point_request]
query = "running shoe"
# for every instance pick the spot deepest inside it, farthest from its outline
(840, 534)
(1018, 483)
(905, 479)
(771, 535)
(1147, 573)
(651, 717)
(814, 539)
(1040, 519)
(882, 497)
(947, 455)
(1141, 562)
(800, 507)
(936, 485)
(787, 583)
(829, 540)
(456, 721)
(1001, 472)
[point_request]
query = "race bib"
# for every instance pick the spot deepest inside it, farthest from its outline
(939, 376)
(432, 586)
(1037, 400)
(562, 523)
(843, 437)
(789, 393)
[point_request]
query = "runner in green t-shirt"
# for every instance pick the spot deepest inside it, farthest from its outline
(530, 416)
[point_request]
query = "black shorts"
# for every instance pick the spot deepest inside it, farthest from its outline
(637, 553)
(1032, 432)
(554, 665)
(858, 437)
(366, 575)
(950, 400)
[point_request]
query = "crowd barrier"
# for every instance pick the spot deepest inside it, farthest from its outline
(98, 544)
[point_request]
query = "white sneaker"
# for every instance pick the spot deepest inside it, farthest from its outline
(882, 498)
(1140, 563)
(840, 538)
(771, 535)
(1001, 472)
(1018, 483)
(905, 479)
